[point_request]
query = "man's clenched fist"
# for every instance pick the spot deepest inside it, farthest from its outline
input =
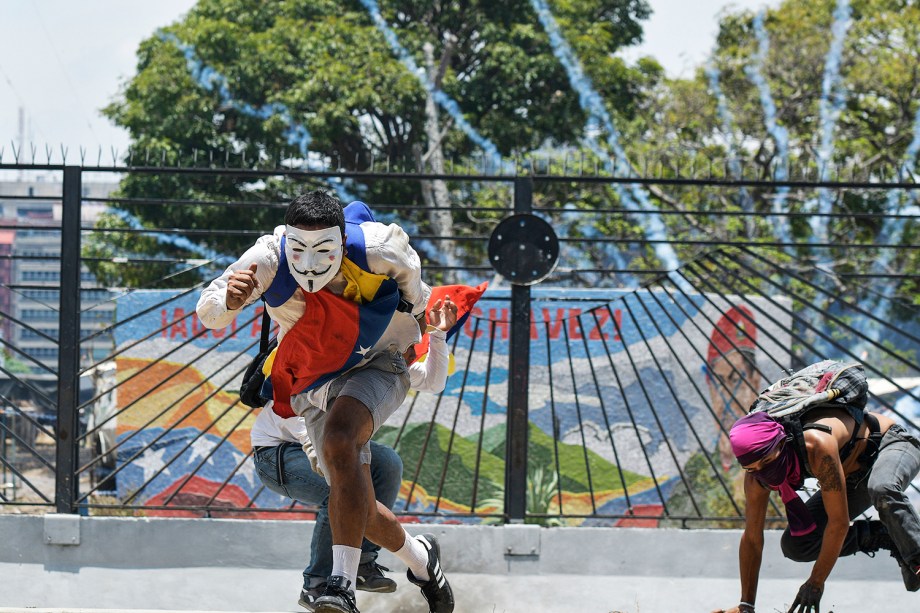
(240, 287)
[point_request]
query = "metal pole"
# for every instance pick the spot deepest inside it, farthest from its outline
(518, 380)
(66, 485)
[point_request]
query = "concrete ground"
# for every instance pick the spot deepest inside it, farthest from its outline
(125, 564)
(263, 590)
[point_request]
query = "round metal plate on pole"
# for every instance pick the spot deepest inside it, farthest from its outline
(524, 249)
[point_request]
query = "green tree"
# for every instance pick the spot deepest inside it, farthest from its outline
(879, 80)
(879, 83)
(331, 69)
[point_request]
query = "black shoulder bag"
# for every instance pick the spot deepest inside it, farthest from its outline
(253, 378)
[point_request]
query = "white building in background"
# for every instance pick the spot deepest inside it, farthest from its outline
(30, 271)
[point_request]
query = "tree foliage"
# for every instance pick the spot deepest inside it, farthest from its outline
(684, 127)
(332, 70)
(879, 82)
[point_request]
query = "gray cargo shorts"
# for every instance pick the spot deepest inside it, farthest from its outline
(380, 385)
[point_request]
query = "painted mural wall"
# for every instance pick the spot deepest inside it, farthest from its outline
(627, 393)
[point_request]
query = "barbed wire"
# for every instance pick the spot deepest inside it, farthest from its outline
(683, 166)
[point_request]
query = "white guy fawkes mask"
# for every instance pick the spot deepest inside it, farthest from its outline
(313, 256)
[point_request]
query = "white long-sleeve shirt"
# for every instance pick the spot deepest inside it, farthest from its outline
(388, 253)
(429, 375)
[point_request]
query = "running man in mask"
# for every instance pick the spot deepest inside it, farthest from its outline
(347, 295)
(859, 459)
(286, 464)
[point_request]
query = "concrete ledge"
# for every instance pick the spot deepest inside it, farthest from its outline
(149, 543)
(241, 565)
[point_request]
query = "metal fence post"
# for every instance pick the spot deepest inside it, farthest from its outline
(68, 422)
(518, 380)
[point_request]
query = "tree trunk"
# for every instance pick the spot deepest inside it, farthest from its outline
(434, 192)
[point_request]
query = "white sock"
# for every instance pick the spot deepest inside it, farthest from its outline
(345, 562)
(415, 556)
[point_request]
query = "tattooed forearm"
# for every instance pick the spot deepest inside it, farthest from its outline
(828, 474)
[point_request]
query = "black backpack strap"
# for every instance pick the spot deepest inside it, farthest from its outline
(847, 449)
(266, 328)
(873, 441)
(795, 435)
(801, 448)
(253, 378)
(404, 305)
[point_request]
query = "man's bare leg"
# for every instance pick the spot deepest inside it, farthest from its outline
(421, 554)
(382, 526)
(354, 513)
(348, 426)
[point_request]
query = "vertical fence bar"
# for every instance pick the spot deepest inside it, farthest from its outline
(518, 380)
(66, 484)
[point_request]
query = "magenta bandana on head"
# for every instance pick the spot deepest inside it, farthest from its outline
(754, 437)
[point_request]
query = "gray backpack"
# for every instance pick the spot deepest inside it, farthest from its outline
(827, 383)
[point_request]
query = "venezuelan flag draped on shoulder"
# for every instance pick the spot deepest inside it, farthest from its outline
(339, 332)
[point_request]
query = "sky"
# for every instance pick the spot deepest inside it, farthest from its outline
(61, 61)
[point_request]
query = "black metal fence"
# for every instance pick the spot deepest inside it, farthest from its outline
(601, 396)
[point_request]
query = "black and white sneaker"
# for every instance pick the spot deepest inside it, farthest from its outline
(337, 597)
(436, 590)
(372, 579)
(308, 596)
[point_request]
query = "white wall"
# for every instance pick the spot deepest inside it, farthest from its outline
(243, 565)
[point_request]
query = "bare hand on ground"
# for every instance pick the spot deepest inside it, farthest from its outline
(240, 287)
(808, 600)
